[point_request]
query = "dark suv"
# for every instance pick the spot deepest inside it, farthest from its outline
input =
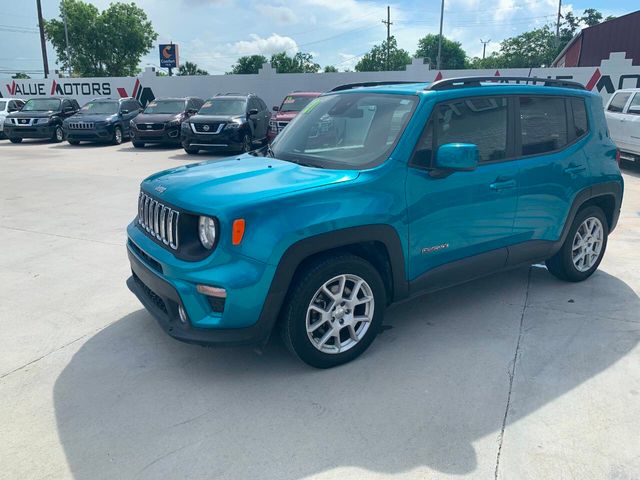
(102, 120)
(161, 119)
(232, 121)
(40, 118)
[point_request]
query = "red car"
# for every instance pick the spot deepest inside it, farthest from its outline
(291, 105)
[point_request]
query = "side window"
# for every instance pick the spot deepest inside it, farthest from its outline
(424, 149)
(580, 123)
(65, 104)
(543, 123)
(618, 102)
(253, 104)
(634, 106)
(481, 121)
(75, 104)
(12, 106)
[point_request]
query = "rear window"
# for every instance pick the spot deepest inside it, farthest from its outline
(618, 102)
(543, 123)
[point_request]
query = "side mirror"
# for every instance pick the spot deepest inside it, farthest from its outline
(124, 111)
(276, 108)
(458, 157)
(253, 111)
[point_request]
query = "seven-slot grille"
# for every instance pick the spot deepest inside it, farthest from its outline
(81, 125)
(160, 221)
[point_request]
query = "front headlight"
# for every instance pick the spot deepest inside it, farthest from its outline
(233, 125)
(41, 121)
(173, 123)
(207, 232)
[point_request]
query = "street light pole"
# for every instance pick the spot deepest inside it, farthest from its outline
(440, 36)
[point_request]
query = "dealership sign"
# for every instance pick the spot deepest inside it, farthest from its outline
(169, 57)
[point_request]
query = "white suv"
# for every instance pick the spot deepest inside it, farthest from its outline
(623, 118)
(7, 106)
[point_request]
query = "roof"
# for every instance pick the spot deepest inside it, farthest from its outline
(304, 94)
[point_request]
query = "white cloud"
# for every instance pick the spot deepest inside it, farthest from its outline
(265, 46)
(282, 15)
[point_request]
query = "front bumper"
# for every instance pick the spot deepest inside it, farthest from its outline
(162, 288)
(227, 139)
(168, 135)
(35, 131)
(99, 134)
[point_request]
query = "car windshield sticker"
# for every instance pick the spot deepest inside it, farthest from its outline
(207, 104)
(289, 100)
(152, 104)
(313, 104)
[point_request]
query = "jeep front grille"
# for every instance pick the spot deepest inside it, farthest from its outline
(81, 125)
(158, 220)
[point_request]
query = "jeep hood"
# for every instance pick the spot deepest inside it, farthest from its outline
(208, 186)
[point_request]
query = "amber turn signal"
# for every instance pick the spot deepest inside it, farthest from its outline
(237, 232)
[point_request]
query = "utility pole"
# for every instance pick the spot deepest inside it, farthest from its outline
(43, 43)
(440, 36)
(558, 24)
(388, 23)
(66, 37)
(484, 47)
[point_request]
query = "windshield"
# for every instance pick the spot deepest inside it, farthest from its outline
(345, 131)
(223, 106)
(165, 106)
(108, 108)
(293, 103)
(42, 105)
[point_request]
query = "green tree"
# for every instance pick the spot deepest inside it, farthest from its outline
(330, 69)
(190, 68)
(376, 59)
(453, 57)
(248, 64)
(20, 75)
(107, 43)
(300, 63)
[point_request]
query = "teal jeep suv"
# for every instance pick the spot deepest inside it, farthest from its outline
(371, 195)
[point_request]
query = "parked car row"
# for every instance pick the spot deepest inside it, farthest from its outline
(229, 121)
(623, 118)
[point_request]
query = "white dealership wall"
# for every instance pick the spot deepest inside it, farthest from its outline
(612, 74)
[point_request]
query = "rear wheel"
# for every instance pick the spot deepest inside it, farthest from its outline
(58, 134)
(334, 311)
(117, 136)
(584, 247)
(15, 140)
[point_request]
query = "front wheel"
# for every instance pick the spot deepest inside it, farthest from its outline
(247, 144)
(117, 136)
(334, 311)
(137, 144)
(58, 134)
(584, 247)
(189, 149)
(15, 140)
(73, 142)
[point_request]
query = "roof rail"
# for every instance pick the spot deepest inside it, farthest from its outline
(463, 82)
(349, 86)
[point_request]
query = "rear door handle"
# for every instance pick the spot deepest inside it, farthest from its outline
(571, 169)
(502, 184)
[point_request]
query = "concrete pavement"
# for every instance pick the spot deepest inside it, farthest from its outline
(515, 376)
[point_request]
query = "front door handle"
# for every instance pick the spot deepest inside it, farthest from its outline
(502, 184)
(572, 169)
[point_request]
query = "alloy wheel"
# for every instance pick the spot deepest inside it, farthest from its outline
(340, 313)
(587, 244)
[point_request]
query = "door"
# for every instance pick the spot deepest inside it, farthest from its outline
(553, 167)
(616, 117)
(133, 109)
(462, 217)
(631, 129)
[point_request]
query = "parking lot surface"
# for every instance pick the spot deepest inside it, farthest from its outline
(515, 376)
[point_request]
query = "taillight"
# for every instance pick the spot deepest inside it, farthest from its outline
(618, 157)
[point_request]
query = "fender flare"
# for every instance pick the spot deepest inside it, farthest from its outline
(296, 253)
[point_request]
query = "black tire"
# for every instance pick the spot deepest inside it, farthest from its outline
(73, 142)
(15, 140)
(137, 144)
(561, 265)
(116, 139)
(58, 134)
(192, 150)
(305, 286)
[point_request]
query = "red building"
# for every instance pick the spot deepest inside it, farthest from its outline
(594, 44)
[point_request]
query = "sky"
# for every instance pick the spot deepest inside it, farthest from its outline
(214, 33)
